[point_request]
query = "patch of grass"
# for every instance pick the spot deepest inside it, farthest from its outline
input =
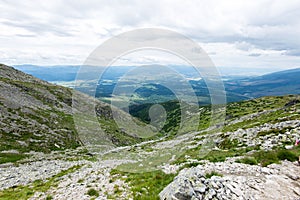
(11, 157)
(266, 158)
(116, 189)
(238, 109)
(228, 143)
(147, 185)
(248, 160)
(49, 197)
(84, 157)
(281, 112)
(273, 131)
(296, 150)
(93, 192)
(213, 155)
(80, 181)
(191, 153)
(286, 155)
(213, 173)
(25, 192)
(220, 156)
(189, 165)
(117, 135)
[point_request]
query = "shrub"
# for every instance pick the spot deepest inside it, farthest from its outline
(92, 192)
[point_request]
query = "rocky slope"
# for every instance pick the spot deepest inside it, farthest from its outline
(35, 115)
(38, 116)
(73, 174)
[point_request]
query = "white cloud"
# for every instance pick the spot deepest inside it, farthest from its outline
(240, 33)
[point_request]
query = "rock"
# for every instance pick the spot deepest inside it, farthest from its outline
(293, 176)
(214, 185)
(211, 193)
(234, 190)
(266, 170)
(289, 147)
(200, 189)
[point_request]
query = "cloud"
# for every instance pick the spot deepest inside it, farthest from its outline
(254, 54)
(67, 31)
(39, 28)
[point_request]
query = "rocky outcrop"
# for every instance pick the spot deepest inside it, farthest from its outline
(237, 181)
(268, 135)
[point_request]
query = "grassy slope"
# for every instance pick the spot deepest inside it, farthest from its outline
(280, 109)
(233, 111)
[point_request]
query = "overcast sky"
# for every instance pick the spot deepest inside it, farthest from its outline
(253, 34)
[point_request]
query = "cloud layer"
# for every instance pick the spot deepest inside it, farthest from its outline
(261, 33)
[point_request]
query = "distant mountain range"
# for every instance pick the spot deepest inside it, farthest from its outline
(274, 84)
(237, 88)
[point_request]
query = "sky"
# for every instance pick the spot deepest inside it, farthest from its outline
(243, 34)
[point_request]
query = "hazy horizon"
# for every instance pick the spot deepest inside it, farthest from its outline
(256, 34)
(223, 70)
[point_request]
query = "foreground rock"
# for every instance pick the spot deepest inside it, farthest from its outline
(236, 181)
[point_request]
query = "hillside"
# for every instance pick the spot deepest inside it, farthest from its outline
(274, 84)
(37, 116)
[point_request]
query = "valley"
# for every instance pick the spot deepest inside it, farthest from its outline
(238, 87)
(42, 156)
